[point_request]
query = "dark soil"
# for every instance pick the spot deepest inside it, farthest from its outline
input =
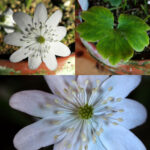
(132, 8)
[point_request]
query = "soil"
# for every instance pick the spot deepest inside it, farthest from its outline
(132, 9)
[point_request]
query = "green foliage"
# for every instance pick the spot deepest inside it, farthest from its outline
(28, 3)
(114, 2)
(114, 43)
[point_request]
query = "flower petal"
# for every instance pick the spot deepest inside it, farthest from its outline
(38, 135)
(57, 84)
(134, 113)
(50, 60)
(34, 61)
(60, 49)
(54, 19)
(120, 138)
(35, 103)
(40, 14)
(22, 20)
(121, 85)
(20, 54)
(14, 39)
(60, 32)
(70, 143)
(7, 30)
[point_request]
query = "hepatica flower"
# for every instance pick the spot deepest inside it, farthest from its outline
(83, 113)
(6, 20)
(39, 38)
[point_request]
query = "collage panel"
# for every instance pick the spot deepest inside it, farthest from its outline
(39, 115)
(37, 37)
(113, 37)
(81, 74)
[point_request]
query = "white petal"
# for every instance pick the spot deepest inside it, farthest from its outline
(84, 4)
(71, 141)
(134, 113)
(40, 14)
(55, 18)
(121, 85)
(57, 84)
(50, 60)
(34, 61)
(7, 30)
(20, 54)
(37, 135)
(35, 103)
(22, 20)
(14, 39)
(60, 32)
(60, 49)
(119, 138)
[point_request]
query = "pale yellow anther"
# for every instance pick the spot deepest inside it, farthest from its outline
(115, 123)
(121, 110)
(118, 99)
(100, 131)
(56, 137)
(86, 82)
(80, 148)
(108, 107)
(94, 139)
(110, 98)
(73, 93)
(59, 112)
(110, 88)
(65, 103)
(104, 102)
(65, 90)
(55, 122)
(67, 145)
(83, 136)
(94, 90)
(120, 119)
(48, 105)
(98, 82)
(56, 101)
(110, 115)
(104, 118)
(69, 130)
(86, 147)
(74, 82)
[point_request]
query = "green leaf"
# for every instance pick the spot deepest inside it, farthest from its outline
(135, 30)
(28, 3)
(115, 44)
(115, 47)
(115, 2)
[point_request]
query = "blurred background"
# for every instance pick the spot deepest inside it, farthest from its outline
(11, 121)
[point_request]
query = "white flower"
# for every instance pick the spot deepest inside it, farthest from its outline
(40, 38)
(84, 4)
(85, 113)
(6, 20)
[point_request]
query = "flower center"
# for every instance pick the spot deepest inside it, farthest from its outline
(85, 112)
(40, 39)
(2, 19)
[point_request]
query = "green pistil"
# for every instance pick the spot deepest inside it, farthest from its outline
(40, 39)
(85, 112)
(2, 18)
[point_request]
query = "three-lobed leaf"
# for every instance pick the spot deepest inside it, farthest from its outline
(114, 44)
